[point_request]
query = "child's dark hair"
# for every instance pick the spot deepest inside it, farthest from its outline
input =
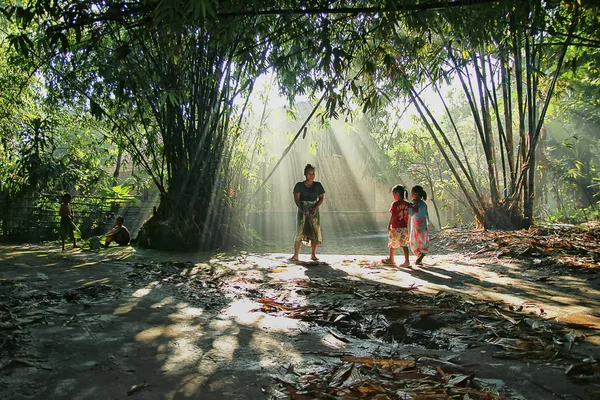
(66, 196)
(420, 191)
(120, 220)
(308, 168)
(401, 190)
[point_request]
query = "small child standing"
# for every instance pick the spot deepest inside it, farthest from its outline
(67, 226)
(398, 226)
(419, 233)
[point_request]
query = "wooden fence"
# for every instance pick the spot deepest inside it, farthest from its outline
(35, 218)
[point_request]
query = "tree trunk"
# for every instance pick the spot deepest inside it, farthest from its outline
(486, 123)
(508, 127)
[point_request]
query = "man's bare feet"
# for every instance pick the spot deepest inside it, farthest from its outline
(405, 264)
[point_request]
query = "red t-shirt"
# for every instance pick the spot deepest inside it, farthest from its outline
(399, 210)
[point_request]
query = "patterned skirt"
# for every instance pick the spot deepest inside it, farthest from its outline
(419, 236)
(398, 238)
(308, 228)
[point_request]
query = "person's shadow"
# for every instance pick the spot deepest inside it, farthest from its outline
(320, 270)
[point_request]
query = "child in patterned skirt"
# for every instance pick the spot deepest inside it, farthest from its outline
(419, 220)
(398, 226)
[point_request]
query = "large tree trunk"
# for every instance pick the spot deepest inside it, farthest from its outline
(187, 219)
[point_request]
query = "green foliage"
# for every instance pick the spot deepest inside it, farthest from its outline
(119, 194)
(571, 214)
(573, 145)
(47, 146)
(573, 165)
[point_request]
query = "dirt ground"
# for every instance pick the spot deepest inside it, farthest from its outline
(126, 322)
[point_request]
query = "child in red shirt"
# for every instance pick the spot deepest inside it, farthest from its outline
(398, 226)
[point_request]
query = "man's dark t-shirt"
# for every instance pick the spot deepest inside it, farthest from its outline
(311, 193)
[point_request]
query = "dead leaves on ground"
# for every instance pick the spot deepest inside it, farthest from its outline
(575, 246)
(418, 320)
(410, 377)
(442, 321)
(586, 371)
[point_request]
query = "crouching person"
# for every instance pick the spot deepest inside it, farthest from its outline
(119, 234)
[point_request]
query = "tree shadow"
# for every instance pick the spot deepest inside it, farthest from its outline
(561, 290)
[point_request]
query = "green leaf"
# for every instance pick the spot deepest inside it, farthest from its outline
(173, 99)
(313, 147)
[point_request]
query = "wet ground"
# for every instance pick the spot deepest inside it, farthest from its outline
(126, 322)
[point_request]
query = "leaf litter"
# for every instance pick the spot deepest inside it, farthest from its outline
(442, 321)
(410, 377)
(571, 246)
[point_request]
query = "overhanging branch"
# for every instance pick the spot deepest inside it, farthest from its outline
(440, 5)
